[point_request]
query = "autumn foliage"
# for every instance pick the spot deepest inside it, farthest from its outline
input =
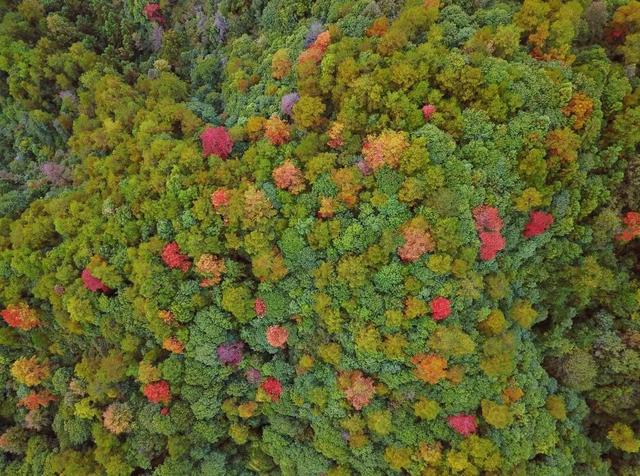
(631, 222)
(216, 141)
(288, 177)
(317, 49)
(158, 392)
(428, 110)
(323, 238)
(272, 388)
(36, 400)
(212, 268)
(260, 307)
(417, 241)
(539, 222)
(384, 149)
(219, 198)
(276, 131)
(277, 336)
(429, 368)
(92, 283)
(117, 418)
(465, 425)
(153, 12)
(358, 389)
(172, 344)
(174, 258)
(30, 371)
(489, 226)
(20, 316)
(230, 353)
(440, 308)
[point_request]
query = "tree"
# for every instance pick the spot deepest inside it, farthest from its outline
(417, 241)
(632, 223)
(36, 400)
(30, 372)
(92, 283)
(174, 258)
(212, 268)
(428, 110)
(158, 392)
(277, 336)
(308, 112)
(440, 308)
(463, 424)
(280, 64)
(216, 141)
(384, 149)
(539, 222)
(153, 13)
(230, 353)
(288, 102)
(488, 224)
(272, 388)
(357, 388)
(497, 415)
(21, 316)
(117, 418)
(276, 131)
(622, 437)
(289, 177)
(430, 368)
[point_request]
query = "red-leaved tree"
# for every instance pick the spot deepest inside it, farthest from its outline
(174, 258)
(216, 141)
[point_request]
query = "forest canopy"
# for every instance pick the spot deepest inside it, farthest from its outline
(324, 238)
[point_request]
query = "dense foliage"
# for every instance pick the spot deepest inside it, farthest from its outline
(324, 237)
